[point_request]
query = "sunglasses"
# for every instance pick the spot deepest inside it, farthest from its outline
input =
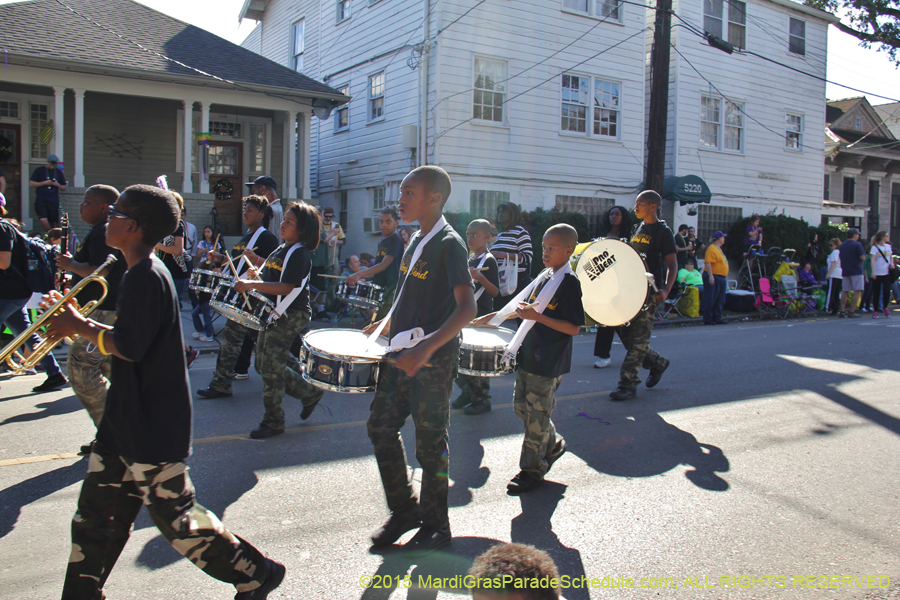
(114, 213)
(327, 216)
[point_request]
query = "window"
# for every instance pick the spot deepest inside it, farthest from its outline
(342, 112)
(297, 49)
(226, 129)
(858, 123)
(343, 10)
(715, 218)
(490, 91)
(483, 203)
(10, 110)
(793, 132)
(606, 9)
(376, 96)
(344, 209)
(41, 128)
(592, 208)
(849, 190)
(603, 120)
(826, 195)
(797, 39)
(257, 148)
(377, 200)
(721, 125)
(714, 16)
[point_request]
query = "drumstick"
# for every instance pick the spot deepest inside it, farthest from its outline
(481, 269)
(233, 270)
(331, 276)
(512, 314)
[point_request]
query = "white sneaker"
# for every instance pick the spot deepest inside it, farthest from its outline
(601, 363)
(203, 338)
(241, 376)
(197, 334)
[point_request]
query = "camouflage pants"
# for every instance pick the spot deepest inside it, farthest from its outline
(232, 340)
(534, 399)
(280, 370)
(425, 397)
(110, 500)
(89, 370)
(636, 339)
(477, 389)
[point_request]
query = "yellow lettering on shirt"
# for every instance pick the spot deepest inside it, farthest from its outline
(273, 263)
(641, 238)
(419, 271)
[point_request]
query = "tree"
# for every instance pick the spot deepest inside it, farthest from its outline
(874, 22)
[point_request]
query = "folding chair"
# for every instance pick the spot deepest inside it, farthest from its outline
(800, 303)
(770, 301)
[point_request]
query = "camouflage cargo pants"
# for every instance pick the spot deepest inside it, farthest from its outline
(534, 399)
(280, 370)
(636, 339)
(89, 370)
(232, 340)
(477, 389)
(111, 497)
(425, 397)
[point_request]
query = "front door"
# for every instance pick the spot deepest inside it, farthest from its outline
(227, 183)
(10, 164)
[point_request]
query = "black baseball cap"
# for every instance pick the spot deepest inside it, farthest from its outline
(852, 231)
(263, 180)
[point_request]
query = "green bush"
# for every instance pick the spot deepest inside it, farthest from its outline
(538, 221)
(779, 231)
(459, 221)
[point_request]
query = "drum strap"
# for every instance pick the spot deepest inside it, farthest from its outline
(251, 244)
(481, 264)
(282, 303)
(543, 299)
(408, 339)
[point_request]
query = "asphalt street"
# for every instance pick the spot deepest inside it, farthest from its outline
(764, 465)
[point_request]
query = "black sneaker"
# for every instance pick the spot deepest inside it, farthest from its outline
(477, 409)
(623, 393)
(461, 401)
(274, 577)
(656, 373)
(308, 409)
(399, 523)
(427, 540)
(86, 449)
(51, 383)
(212, 393)
(558, 450)
(264, 431)
(523, 482)
(841, 315)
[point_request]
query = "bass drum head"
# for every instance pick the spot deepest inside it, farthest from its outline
(613, 282)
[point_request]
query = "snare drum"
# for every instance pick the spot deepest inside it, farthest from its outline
(229, 302)
(481, 352)
(206, 281)
(613, 280)
(339, 360)
(364, 295)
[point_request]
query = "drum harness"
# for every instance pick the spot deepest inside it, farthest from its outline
(252, 244)
(282, 303)
(481, 264)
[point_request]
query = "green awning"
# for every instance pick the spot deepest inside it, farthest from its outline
(687, 189)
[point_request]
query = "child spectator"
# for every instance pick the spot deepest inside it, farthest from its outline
(754, 236)
(545, 354)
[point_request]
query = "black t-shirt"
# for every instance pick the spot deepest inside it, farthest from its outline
(265, 244)
(148, 408)
(12, 280)
(426, 298)
(93, 251)
(176, 262)
(545, 351)
(295, 272)
(48, 192)
(389, 246)
(485, 303)
(851, 263)
(654, 242)
(682, 257)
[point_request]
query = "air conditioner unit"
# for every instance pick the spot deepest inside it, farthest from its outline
(370, 225)
(410, 136)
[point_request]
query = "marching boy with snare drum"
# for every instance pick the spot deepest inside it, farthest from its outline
(655, 243)
(476, 391)
(144, 437)
(237, 340)
(386, 270)
(553, 314)
(434, 302)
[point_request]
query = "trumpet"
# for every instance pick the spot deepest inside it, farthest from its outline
(43, 349)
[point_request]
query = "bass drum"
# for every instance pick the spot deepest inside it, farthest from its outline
(614, 285)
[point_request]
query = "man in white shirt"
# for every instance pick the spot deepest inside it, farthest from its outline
(266, 187)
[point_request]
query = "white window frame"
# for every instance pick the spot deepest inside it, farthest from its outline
(342, 109)
(295, 51)
(37, 149)
(725, 20)
(791, 36)
(372, 98)
(793, 131)
(503, 93)
(722, 126)
(378, 203)
(591, 107)
(594, 9)
(340, 14)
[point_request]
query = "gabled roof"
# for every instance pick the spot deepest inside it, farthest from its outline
(81, 35)
(838, 114)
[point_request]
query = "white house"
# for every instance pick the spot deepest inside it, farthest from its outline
(749, 123)
(536, 102)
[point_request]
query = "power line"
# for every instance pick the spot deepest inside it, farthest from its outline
(456, 20)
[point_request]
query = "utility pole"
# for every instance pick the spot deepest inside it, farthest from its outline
(659, 97)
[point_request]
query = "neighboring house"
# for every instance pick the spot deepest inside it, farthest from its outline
(750, 128)
(104, 85)
(890, 115)
(862, 168)
(539, 103)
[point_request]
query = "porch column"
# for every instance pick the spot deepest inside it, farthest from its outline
(303, 142)
(58, 120)
(291, 150)
(187, 185)
(204, 127)
(79, 138)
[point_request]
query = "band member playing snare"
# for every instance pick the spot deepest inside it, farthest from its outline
(386, 270)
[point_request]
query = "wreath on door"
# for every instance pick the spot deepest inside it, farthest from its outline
(223, 189)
